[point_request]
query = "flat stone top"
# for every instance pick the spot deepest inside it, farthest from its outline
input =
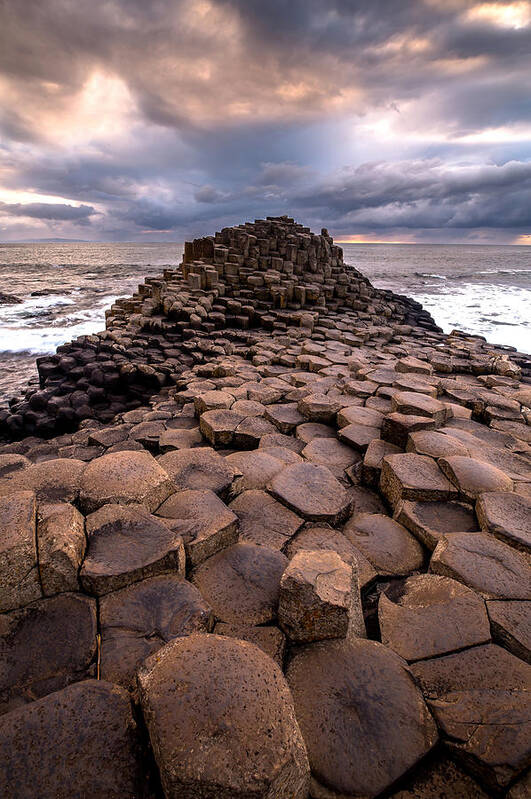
(311, 491)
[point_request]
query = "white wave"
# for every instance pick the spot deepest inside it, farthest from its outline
(500, 313)
(43, 340)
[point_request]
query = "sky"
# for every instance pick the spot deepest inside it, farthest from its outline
(160, 120)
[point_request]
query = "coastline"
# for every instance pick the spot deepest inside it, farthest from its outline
(324, 494)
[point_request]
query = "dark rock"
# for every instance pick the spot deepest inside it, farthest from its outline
(78, 742)
(221, 721)
(45, 646)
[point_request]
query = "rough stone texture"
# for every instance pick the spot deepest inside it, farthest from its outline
(261, 327)
(138, 620)
(331, 453)
(429, 521)
(204, 522)
(78, 742)
(372, 461)
(45, 646)
(256, 469)
(440, 778)
(270, 640)
(201, 468)
(480, 561)
(323, 537)
(263, 520)
(124, 478)
(312, 492)
(472, 477)
(480, 700)
(386, 544)
(413, 477)
(319, 598)
(19, 576)
(510, 623)
(429, 615)
(221, 722)
(56, 480)
(506, 516)
(125, 545)
(242, 583)
(360, 738)
(61, 544)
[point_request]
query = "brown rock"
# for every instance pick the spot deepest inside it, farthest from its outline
(480, 561)
(331, 453)
(397, 428)
(213, 400)
(19, 575)
(263, 520)
(242, 583)
(367, 417)
(9, 464)
(429, 521)
(78, 742)
(201, 468)
(358, 436)
(372, 461)
(337, 704)
(511, 626)
(61, 543)
(323, 537)
(411, 364)
(204, 522)
(256, 468)
(280, 440)
(319, 598)
(413, 404)
(270, 640)
(312, 492)
(56, 480)
(309, 430)
(125, 545)
(46, 646)
(472, 477)
(414, 477)
(480, 700)
(179, 439)
(124, 478)
(440, 779)
(386, 544)
(320, 408)
(219, 426)
(435, 444)
(506, 516)
(139, 619)
(285, 416)
(427, 615)
(221, 721)
(251, 430)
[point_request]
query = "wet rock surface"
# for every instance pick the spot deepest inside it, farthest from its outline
(263, 445)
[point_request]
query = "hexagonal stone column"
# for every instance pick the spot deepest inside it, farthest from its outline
(319, 598)
(221, 721)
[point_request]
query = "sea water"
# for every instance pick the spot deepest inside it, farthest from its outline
(65, 289)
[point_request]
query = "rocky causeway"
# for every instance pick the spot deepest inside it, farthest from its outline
(267, 536)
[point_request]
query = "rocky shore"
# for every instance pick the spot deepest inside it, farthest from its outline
(267, 536)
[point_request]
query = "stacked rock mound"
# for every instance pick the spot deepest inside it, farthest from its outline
(303, 570)
(269, 274)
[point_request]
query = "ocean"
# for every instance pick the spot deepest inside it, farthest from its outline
(65, 289)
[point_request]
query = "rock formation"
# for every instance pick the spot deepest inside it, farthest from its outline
(268, 535)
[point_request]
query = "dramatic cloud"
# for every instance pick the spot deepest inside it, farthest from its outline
(163, 119)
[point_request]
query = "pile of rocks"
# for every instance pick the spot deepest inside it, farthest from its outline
(303, 570)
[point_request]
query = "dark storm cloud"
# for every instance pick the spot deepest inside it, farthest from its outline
(232, 109)
(55, 211)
